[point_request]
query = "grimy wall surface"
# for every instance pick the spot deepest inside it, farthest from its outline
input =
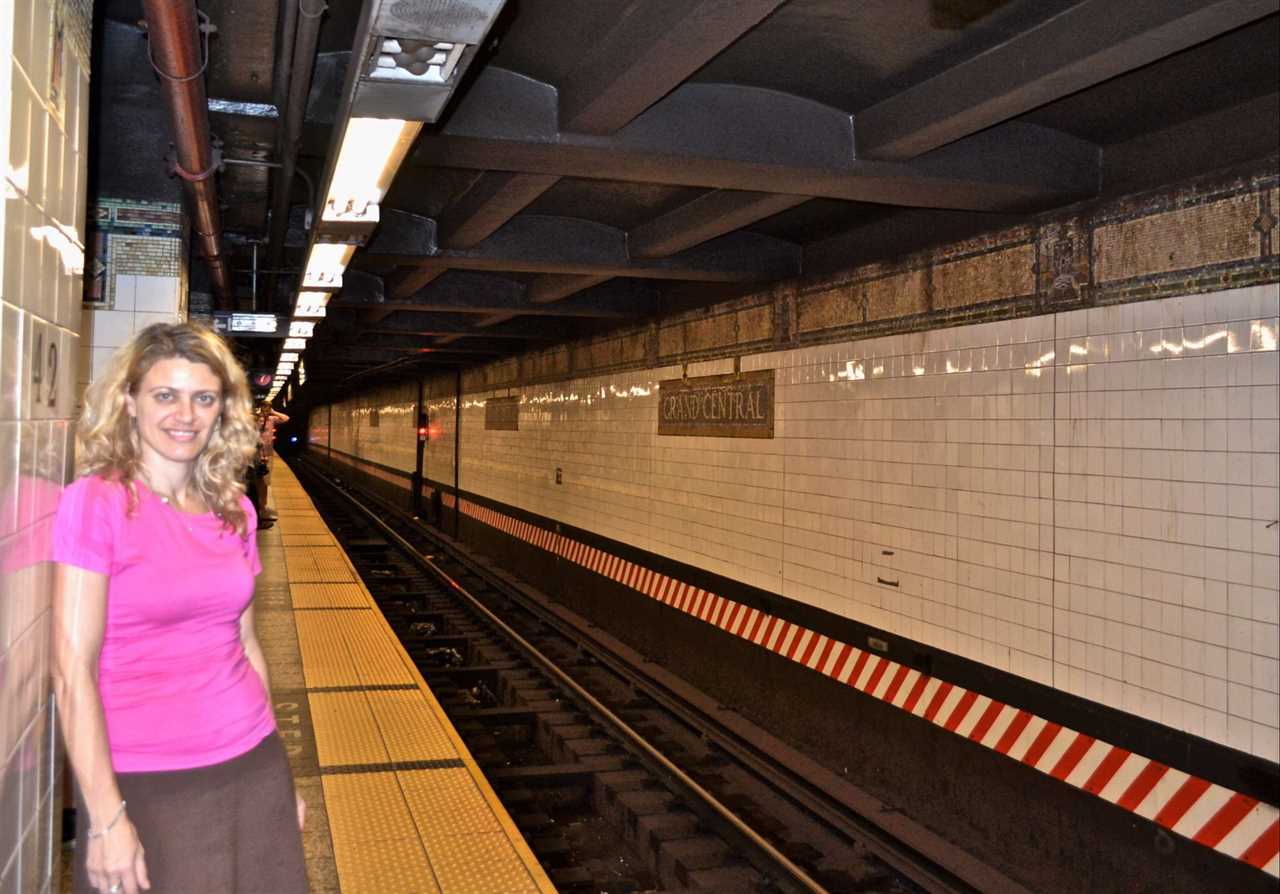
(1053, 451)
(44, 105)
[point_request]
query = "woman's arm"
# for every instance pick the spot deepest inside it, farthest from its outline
(253, 651)
(79, 622)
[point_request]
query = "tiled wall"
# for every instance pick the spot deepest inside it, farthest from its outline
(139, 301)
(1082, 499)
(380, 426)
(44, 97)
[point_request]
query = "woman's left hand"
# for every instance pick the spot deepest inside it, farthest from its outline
(302, 811)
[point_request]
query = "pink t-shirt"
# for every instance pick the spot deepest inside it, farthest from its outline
(177, 689)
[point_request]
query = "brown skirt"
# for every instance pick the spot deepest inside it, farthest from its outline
(231, 828)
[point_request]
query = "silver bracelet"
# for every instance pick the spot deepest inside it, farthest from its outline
(107, 828)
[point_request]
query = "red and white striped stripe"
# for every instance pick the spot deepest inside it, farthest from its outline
(1227, 821)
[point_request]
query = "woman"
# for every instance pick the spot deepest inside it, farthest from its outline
(162, 686)
(268, 418)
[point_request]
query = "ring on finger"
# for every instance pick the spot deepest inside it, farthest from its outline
(114, 889)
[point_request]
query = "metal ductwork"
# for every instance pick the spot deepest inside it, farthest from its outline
(175, 48)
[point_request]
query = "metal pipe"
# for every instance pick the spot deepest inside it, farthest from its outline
(251, 162)
(299, 83)
(284, 53)
(175, 54)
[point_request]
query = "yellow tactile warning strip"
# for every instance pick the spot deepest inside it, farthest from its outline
(409, 810)
(408, 733)
(346, 733)
(328, 596)
(326, 660)
(306, 539)
(317, 564)
(376, 845)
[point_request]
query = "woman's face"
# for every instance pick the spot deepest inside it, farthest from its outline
(176, 406)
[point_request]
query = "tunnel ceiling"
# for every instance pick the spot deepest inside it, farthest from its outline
(606, 161)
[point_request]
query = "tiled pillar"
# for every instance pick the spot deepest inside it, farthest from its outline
(44, 97)
(137, 275)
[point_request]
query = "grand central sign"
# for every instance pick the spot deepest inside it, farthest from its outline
(736, 405)
(502, 413)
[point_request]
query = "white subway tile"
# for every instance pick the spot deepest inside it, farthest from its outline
(11, 361)
(157, 294)
(14, 236)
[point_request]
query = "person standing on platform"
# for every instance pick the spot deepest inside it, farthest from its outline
(268, 418)
(183, 784)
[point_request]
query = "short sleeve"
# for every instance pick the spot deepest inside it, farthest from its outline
(84, 529)
(251, 536)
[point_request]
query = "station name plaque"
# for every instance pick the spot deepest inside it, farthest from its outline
(736, 405)
(502, 414)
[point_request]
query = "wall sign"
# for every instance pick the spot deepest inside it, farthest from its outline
(736, 405)
(502, 414)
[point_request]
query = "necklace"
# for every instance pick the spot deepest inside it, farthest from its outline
(169, 499)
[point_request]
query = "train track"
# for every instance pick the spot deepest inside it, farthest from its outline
(618, 783)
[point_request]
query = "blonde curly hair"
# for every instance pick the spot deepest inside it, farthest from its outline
(108, 442)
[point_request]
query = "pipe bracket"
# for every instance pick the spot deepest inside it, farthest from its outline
(206, 27)
(214, 167)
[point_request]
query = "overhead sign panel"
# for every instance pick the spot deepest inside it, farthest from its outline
(250, 325)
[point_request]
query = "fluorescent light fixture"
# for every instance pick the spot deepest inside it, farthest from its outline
(295, 344)
(325, 265)
(371, 153)
(330, 281)
(284, 369)
(311, 304)
(320, 299)
(302, 328)
(328, 258)
(289, 357)
(351, 225)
